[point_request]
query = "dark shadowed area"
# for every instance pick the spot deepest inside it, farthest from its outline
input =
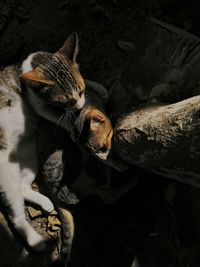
(156, 223)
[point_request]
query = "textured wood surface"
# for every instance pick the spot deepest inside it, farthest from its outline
(164, 139)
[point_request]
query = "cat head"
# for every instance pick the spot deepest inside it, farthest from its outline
(97, 133)
(55, 78)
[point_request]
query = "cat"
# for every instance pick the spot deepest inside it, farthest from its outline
(55, 89)
(64, 164)
(91, 130)
(18, 123)
(53, 83)
(18, 157)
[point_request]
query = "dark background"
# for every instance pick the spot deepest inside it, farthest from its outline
(158, 219)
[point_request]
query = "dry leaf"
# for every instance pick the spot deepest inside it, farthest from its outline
(34, 213)
(53, 234)
(53, 220)
(53, 213)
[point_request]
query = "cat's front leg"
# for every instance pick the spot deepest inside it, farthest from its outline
(33, 239)
(10, 183)
(32, 196)
(38, 199)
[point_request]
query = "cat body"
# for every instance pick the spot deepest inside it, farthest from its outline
(18, 122)
(92, 132)
(18, 156)
(55, 89)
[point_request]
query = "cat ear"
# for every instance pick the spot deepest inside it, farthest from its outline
(70, 47)
(95, 121)
(34, 77)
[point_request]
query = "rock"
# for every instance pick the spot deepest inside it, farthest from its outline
(101, 12)
(6, 11)
(64, 4)
(22, 13)
(125, 45)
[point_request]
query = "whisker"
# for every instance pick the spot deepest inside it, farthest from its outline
(88, 98)
(65, 120)
(59, 122)
(60, 119)
(68, 117)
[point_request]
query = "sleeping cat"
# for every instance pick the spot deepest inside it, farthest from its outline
(53, 84)
(46, 78)
(57, 82)
(92, 132)
(55, 89)
(91, 129)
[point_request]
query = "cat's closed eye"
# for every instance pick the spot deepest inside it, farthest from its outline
(80, 94)
(70, 102)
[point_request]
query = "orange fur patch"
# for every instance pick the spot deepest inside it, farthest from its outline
(34, 76)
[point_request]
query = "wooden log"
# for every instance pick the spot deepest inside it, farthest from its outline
(163, 139)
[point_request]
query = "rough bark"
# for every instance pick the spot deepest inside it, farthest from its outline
(164, 139)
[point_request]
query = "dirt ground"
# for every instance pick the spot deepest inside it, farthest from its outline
(158, 220)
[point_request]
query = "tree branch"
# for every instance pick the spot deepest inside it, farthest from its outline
(164, 139)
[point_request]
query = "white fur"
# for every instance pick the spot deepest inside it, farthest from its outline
(39, 106)
(80, 100)
(26, 66)
(18, 166)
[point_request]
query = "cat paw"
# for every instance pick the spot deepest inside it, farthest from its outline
(33, 239)
(47, 205)
(36, 242)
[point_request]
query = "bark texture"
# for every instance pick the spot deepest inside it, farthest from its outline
(164, 139)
